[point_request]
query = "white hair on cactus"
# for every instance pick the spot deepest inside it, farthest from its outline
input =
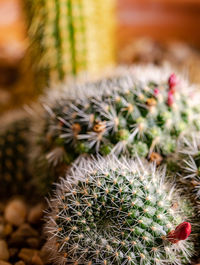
(128, 77)
(115, 211)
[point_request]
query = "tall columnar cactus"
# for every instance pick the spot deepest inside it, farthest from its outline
(111, 211)
(71, 36)
(14, 152)
(141, 111)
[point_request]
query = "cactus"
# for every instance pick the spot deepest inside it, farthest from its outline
(188, 161)
(141, 111)
(14, 151)
(117, 211)
(70, 36)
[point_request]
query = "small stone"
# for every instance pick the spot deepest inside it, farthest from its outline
(25, 230)
(15, 212)
(4, 253)
(20, 263)
(36, 213)
(36, 260)
(20, 236)
(2, 262)
(27, 254)
(33, 242)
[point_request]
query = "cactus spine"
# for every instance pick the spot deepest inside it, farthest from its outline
(71, 36)
(117, 211)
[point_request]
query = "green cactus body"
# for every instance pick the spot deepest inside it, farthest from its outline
(14, 151)
(130, 113)
(114, 211)
(65, 37)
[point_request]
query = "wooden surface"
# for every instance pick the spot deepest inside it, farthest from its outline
(159, 19)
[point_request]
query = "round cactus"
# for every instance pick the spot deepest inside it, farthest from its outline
(141, 110)
(14, 150)
(111, 211)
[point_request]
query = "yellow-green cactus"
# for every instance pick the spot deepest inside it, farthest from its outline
(71, 36)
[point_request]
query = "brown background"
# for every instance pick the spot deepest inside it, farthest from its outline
(160, 19)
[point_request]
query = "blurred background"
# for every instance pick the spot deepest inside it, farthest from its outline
(146, 31)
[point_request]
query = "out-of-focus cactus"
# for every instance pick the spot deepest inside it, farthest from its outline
(71, 36)
(117, 211)
(14, 153)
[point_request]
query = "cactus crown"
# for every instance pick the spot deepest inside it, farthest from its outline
(114, 211)
(140, 110)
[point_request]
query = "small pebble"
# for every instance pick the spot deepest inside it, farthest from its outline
(36, 260)
(36, 213)
(25, 231)
(27, 254)
(33, 242)
(15, 212)
(20, 236)
(4, 253)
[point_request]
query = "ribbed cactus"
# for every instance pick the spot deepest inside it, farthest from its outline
(14, 152)
(71, 36)
(110, 211)
(141, 111)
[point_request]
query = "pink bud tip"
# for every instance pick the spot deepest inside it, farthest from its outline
(170, 99)
(156, 91)
(172, 81)
(181, 232)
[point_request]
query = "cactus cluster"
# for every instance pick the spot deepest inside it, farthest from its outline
(14, 150)
(138, 111)
(71, 36)
(111, 211)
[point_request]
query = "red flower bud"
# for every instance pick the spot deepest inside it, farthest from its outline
(170, 99)
(172, 82)
(181, 232)
(156, 91)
